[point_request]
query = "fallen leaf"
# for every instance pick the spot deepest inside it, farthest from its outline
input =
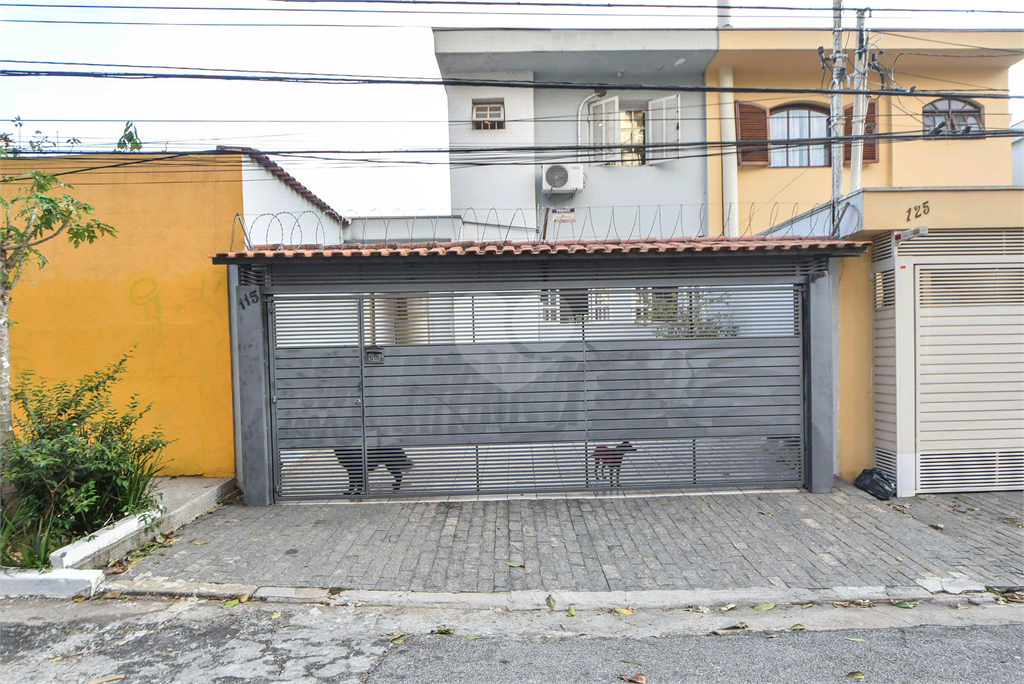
(111, 678)
(112, 595)
(231, 604)
(443, 630)
(160, 539)
(624, 611)
(853, 639)
(856, 603)
(201, 543)
(726, 609)
(515, 565)
(734, 628)
(470, 637)
(898, 559)
(53, 660)
(550, 601)
(79, 598)
(243, 598)
(632, 662)
(905, 604)
(334, 591)
(798, 628)
(275, 615)
(636, 678)
(764, 606)
(256, 539)
(571, 612)
(856, 674)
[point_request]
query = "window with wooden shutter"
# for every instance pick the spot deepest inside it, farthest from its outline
(870, 128)
(752, 133)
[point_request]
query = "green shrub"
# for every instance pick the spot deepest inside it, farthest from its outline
(76, 463)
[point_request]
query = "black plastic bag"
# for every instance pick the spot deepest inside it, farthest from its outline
(876, 483)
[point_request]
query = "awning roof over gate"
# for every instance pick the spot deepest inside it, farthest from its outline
(654, 246)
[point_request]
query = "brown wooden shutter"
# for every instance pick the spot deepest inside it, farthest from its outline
(752, 127)
(870, 128)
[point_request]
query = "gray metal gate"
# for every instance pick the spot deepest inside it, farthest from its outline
(612, 383)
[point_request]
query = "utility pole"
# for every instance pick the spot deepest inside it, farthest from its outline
(836, 109)
(860, 102)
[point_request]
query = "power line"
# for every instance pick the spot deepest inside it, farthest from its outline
(593, 150)
(330, 75)
(507, 3)
(538, 85)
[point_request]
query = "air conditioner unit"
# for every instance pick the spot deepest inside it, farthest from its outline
(562, 179)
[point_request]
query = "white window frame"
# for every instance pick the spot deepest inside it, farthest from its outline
(603, 125)
(487, 112)
(664, 127)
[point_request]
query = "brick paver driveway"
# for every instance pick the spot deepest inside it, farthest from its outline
(793, 539)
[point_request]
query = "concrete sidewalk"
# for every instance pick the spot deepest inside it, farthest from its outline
(792, 540)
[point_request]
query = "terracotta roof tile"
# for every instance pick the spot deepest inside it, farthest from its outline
(743, 244)
(275, 169)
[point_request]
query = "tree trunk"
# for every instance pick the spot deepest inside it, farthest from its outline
(6, 421)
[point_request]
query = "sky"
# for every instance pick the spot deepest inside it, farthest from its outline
(320, 37)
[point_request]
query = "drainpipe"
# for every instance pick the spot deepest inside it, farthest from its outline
(579, 121)
(730, 173)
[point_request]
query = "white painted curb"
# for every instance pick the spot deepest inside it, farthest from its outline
(72, 555)
(50, 583)
(114, 541)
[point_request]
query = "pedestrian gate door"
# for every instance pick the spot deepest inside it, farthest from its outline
(519, 388)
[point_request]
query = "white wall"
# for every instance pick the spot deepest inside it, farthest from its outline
(276, 214)
(664, 199)
(494, 194)
(403, 229)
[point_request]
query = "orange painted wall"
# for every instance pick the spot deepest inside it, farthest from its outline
(153, 285)
(856, 360)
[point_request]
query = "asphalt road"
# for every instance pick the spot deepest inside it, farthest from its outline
(929, 654)
(192, 641)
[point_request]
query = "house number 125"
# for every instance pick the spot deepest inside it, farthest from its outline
(918, 211)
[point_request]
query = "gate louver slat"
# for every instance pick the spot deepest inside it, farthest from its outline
(970, 377)
(564, 389)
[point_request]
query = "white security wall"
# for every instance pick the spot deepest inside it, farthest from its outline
(495, 195)
(276, 214)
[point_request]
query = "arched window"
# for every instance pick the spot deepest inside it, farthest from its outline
(950, 116)
(799, 123)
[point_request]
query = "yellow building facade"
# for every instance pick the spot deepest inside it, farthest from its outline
(151, 290)
(963, 182)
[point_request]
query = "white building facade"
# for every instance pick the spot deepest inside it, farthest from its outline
(578, 158)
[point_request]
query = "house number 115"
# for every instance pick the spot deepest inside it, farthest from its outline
(918, 211)
(248, 299)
